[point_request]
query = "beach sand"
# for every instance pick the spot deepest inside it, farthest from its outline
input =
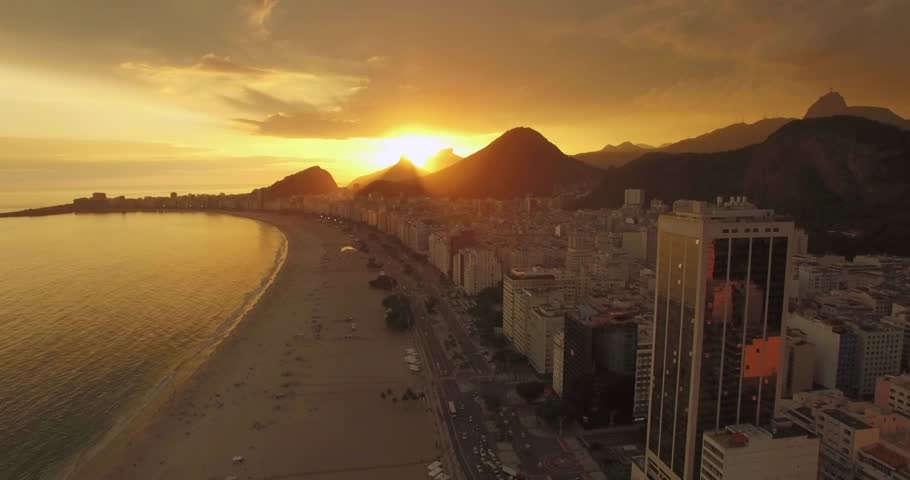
(293, 406)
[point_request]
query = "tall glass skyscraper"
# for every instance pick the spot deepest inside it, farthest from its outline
(718, 314)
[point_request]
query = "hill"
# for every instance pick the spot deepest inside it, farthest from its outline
(730, 137)
(313, 180)
(833, 103)
(443, 159)
(520, 162)
(402, 171)
(614, 155)
(846, 179)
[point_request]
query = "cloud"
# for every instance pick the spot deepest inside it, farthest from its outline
(475, 65)
(311, 124)
(260, 12)
(254, 101)
(214, 63)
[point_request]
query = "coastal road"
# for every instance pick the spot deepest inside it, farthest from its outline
(470, 444)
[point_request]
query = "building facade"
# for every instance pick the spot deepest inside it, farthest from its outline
(514, 312)
(722, 273)
(747, 452)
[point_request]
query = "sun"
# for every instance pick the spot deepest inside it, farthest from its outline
(416, 148)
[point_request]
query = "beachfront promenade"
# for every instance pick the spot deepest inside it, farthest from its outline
(286, 393)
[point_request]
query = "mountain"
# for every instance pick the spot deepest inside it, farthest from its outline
(402, 171)
(627, 147)
(833, 103)
(443, 159)
(614, 155)
(846, 179)
(520, 162)
(730, 137)
(313, 180)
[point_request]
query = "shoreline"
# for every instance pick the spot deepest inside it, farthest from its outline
(174, 424)
(127, 424)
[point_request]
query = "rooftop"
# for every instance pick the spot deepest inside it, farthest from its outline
(847, 419)
(886, 456)
(739, 436)
(732, 210)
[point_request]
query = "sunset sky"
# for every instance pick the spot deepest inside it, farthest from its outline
(219, 93)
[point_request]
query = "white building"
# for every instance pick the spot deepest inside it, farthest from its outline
(634, 197)
(842, 437)
(514, 310)
(440, 255)
(816, 280)
(544, 322)
(747, 452)
(480, 269)
(800, 363)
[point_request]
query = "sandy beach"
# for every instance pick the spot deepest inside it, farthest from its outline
(294, 401)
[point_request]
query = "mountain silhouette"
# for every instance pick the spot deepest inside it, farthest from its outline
(730, 137)
(312, 181)
(520, 162)
(443, 159)
(833, 103)
(846, 179)
(402, 171)
(614, 155)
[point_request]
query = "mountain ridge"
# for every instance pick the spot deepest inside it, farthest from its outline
(502, 169)
(841, 174)
(311, 181)
(401, 171)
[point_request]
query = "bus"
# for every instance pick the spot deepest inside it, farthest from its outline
(452, 408)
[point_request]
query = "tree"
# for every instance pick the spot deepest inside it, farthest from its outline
(492, 402)
(530, 391)
(555, 411)
(516, 358)
(431, 304)
(502, 356)
(398, 316)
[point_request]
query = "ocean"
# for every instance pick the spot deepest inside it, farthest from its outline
(98, 311)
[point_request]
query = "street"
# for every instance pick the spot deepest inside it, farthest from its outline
(479, 442)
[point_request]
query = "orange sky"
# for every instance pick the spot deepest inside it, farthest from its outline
(244, 91)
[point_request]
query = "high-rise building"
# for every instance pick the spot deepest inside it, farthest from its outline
(598, 364)
(514, 317)
(722, 271)
(800, 363)
(544, 321)
(642, 372)
(478, 269)
(559, 347)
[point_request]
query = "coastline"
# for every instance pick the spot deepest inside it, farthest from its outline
(280, 399)
(138, 415)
